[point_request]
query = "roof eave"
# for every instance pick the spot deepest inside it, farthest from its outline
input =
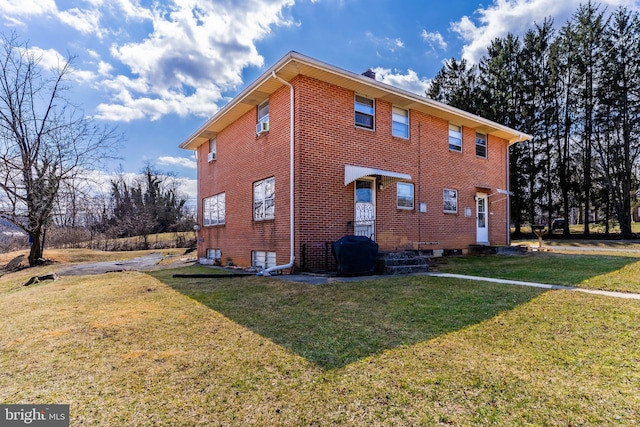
(247, 99)
(190, 142)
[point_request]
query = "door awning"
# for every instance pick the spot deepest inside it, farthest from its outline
(351, 173)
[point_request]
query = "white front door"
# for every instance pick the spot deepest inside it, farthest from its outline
(482, 218)
(365, 208)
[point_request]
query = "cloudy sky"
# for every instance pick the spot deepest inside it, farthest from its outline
(158, 69)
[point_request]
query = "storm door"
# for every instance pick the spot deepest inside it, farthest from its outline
(482, 225)
(365, 208)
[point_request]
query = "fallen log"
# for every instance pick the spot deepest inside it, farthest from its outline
(38, 279)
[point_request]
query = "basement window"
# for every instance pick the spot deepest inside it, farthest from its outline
(215, 255)
(263, 259)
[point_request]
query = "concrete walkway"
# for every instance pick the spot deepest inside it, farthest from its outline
(321, 279)
(538, 285)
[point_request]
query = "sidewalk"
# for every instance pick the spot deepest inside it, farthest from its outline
(538, 285)
(321, 279)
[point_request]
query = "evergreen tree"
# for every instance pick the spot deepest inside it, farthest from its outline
(500, 92)
(588, 27)
(618, 118)
(456, 85)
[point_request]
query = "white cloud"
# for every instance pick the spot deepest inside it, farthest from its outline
(409, 82)
(434, 39)
(387, 43)
(178, 57)
(195, 52)
(49, 58)
(84, 21)
(14, 10)
(188, 187)
(515, 16)
(178, 161)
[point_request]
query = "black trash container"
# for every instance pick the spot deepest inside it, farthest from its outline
(355, 255)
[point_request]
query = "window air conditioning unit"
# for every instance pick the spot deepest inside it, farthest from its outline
(211, 157)
(262, 127)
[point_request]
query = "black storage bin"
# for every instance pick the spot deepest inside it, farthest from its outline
(355, 255)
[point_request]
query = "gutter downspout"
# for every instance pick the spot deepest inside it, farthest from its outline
(292, 257)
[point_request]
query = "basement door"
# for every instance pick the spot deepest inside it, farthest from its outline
(365, 208)
(482, 219)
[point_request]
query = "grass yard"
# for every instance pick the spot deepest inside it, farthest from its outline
(337, 324)
(141, 349)
(605, 272)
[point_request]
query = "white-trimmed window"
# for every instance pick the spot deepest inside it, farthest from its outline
(213, 210)
(263, 112)
(364, 112)
(400, 125)
(213, 150)
(263, 259)
(450, 198)
(264, 199)
(481, 145)
(455, 137)
(215, 255)
(404, 195)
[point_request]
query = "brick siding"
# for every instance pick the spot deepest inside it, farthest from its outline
(326, 140)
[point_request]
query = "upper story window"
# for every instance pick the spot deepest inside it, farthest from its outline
(455, 137)
(263, 112)
(212, 150)
(364, 112)
(450, 198)
(481, 145)
(213, 210)
(400, 126)
(404, 195)
(264, 199)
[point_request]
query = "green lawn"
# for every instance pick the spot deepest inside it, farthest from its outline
(605, 272)
(337, 324)
(142, 349)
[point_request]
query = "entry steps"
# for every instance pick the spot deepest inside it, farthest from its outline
(404, 262)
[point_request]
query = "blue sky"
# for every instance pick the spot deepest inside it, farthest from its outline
(158, 69)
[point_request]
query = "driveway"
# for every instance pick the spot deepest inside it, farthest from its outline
(143, 263)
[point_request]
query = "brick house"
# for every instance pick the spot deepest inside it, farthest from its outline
(309, 153)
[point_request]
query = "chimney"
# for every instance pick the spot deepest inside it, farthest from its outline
(370, 73)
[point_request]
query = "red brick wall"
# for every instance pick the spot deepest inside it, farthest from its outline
(242, 159)
(326, 139)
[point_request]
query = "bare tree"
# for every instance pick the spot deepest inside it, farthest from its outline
(45, 140)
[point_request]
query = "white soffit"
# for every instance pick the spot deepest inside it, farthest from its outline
(351, 173)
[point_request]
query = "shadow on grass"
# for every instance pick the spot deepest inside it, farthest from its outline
(336, 324)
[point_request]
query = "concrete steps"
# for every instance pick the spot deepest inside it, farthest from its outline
(404, 262)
